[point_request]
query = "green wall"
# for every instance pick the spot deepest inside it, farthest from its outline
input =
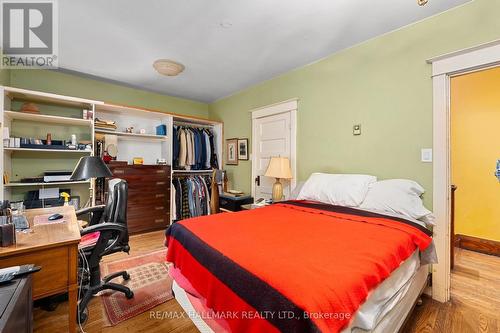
(73, 85)
(4, 77)
(383, 84)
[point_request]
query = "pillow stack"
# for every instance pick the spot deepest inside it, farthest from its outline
(395, 196)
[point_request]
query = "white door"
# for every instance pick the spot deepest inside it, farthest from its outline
(272, 136)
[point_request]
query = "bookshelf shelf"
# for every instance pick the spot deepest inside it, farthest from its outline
(133, 135)
(47, 118)
(46, 184)
(65, 151)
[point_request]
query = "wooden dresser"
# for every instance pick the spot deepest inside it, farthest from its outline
(148, 195)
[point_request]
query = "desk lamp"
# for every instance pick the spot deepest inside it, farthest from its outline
(90, 167)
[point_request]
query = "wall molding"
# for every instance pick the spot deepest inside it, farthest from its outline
(477, 244)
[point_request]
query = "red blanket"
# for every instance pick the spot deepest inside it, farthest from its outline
(293, 267)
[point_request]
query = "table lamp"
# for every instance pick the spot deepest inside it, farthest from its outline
(279, 168)
(90, 167)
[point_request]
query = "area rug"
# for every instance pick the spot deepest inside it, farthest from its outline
(149, 280)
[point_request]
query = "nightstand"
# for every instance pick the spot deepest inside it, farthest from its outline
(251, 206)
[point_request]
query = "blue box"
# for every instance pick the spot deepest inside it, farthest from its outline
(161, 129)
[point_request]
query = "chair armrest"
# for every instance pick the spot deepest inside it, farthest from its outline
(88, 210)
(111, 237)
(103, 227)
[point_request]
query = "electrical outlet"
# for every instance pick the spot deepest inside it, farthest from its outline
(356, 130)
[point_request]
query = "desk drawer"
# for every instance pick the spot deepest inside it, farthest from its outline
(52, 278)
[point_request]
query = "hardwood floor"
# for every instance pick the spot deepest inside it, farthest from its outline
(474, 307)
(475, 299)
(50, 322)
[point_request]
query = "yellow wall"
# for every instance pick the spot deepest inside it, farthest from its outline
(475, 147)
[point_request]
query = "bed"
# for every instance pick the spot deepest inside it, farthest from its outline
(299, 266)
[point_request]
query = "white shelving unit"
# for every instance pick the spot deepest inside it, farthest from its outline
(149, 146)
(58, 107)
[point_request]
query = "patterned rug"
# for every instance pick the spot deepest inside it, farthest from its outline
(149, 280)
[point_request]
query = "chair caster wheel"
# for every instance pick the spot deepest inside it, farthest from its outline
(129, 295)
(82, 316)
(126, 276)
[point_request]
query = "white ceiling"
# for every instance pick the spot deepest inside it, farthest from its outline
(119, 39)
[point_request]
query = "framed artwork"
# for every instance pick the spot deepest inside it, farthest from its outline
(243, 149)
(232, 151)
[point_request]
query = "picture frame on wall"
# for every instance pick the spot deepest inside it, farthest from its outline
(232, 151)
(243, 149)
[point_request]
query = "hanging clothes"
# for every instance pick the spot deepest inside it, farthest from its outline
(191, 196)
(181, 161)
(194, 148)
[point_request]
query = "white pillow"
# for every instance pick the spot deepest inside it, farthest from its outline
(336, 189)
(399, 196)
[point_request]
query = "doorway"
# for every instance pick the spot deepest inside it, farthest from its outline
(274, 133)
(475, 199)
(475, 156)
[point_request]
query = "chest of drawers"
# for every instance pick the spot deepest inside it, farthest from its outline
(148, 205)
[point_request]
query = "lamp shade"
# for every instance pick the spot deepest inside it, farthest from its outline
(90, 167)
(279, 167)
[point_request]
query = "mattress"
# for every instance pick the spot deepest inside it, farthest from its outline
(384, 310)
(340, 256)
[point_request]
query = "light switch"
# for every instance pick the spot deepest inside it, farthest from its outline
(426, 155)
(356, 129)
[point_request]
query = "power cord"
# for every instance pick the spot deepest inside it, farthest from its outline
(85, 270)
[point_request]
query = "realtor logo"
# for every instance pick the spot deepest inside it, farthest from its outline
(29, 34)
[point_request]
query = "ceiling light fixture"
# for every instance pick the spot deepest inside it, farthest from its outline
(168, 67)
(422, 2)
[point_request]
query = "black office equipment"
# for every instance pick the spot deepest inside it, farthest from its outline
(233, 204)
(32, 200)
(110, 221)
(16, 306)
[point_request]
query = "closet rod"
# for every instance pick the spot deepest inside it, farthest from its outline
(191, 124)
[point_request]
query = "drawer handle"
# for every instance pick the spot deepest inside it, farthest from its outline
(159, 220)
(160, 195)
(119, 171)
(159, 207)
(160, 183)
(160, 171)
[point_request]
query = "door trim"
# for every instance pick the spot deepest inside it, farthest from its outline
(443, 68)
(290, 105)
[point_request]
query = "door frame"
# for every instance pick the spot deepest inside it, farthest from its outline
(444, 67)
(291, 106)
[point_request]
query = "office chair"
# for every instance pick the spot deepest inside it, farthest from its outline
(107, 233)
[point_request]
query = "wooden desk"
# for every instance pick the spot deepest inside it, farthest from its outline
(54, 247)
